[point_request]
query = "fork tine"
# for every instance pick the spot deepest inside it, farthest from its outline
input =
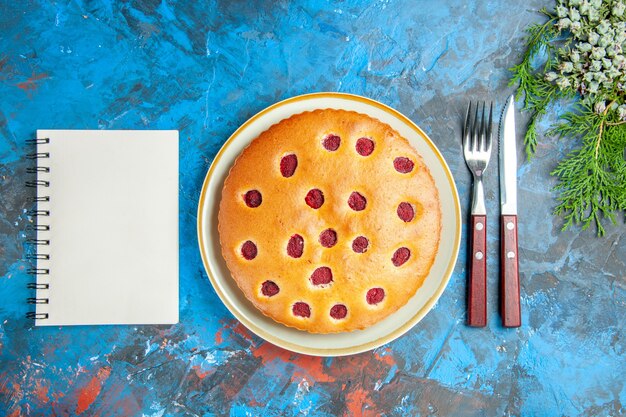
(475, 130)
(489, 126)
(483, 130)
(466, 129)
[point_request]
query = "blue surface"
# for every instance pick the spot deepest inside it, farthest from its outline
(204, 68)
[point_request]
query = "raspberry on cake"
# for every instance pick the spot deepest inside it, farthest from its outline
(329, 221)
(328, 238)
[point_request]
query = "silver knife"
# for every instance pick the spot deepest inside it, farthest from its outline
(509, 261)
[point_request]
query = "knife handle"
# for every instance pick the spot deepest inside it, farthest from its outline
(477, 294)
(509, 284)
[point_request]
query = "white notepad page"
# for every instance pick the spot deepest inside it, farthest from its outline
(113, 227)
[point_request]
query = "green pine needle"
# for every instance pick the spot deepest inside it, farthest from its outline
(591, 188)
(537, 93)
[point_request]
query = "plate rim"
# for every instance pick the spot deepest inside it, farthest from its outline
(372, 344)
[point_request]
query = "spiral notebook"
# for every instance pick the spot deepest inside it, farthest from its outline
(107, 227)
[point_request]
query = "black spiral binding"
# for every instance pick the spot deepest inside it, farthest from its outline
(35, 286)
(36, 256)
(39, 199)
(38, 213)
(37, 183)
(34, 170)
(38, 316)
(41, 227)
(38, 242)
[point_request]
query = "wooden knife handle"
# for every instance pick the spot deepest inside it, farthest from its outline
(477, 293)
(509, 264)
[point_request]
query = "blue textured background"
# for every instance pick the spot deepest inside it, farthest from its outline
(204, 68)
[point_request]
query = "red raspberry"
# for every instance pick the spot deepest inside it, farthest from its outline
(249, 250)
(405, 212)
(403, 165)
(328, 238)
(401, 256)
(301, 309)
(314, 198)
(375, 295)
(365, 146)
(253, 198)
(360, 244)
(357, 202)
(288, 165)
(269, 288)
(338, 311)
(295, 246)
(322, 276)
(331, 142)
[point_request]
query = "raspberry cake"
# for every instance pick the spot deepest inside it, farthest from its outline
(329, 221)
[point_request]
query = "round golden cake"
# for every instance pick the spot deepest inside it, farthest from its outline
(329, 221)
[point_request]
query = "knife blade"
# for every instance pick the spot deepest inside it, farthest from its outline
(508, 161)
(510, 309)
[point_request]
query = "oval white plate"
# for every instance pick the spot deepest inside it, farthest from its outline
(340, 343)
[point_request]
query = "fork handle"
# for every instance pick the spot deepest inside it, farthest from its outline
(509, 274)
(477, 294)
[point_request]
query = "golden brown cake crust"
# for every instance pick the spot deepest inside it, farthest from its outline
(283, 212)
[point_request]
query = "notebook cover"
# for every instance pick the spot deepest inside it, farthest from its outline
(113, 227)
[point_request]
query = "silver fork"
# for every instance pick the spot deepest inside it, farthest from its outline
(477, 141)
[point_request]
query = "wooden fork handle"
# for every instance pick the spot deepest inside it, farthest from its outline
(509, 274)
(477, 294)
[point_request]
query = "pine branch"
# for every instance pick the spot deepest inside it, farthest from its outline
(591, 188)
(536, 92)
(581, 46)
